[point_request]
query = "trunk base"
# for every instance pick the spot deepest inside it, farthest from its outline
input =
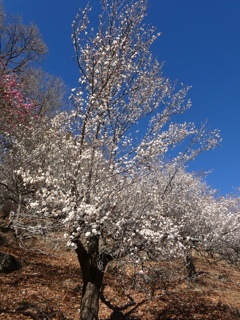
(90, 303)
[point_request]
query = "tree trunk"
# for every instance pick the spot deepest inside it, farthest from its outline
(90, 303)
(190, 266)
(92, 275)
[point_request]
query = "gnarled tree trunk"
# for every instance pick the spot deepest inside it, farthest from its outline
(90, 302)
(190, 266)
(92, 274)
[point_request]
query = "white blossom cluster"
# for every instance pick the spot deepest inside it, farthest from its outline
(114, 168)
(153, 210)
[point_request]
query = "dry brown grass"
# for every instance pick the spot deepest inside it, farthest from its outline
(49, 287)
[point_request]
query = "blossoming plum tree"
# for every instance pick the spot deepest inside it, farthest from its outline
(22, 48)
(90, 169)
(16, 112)
(25, 91)
(15, 108)
(206, 223)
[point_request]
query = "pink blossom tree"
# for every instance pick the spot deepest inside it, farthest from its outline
(26, 91)
(15, 108)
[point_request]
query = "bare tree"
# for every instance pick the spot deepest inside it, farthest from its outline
(20, 44)
(46, 91)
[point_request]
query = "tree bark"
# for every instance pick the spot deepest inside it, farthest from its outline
(190, 266)
(90, 303)
(92, 275)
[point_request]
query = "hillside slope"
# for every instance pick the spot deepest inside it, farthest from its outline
(49, 287)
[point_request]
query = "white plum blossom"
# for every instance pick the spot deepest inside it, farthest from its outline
(114, 194)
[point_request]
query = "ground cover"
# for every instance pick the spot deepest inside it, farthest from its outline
(49, 287)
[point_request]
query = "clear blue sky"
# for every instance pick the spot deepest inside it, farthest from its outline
(200, 44)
